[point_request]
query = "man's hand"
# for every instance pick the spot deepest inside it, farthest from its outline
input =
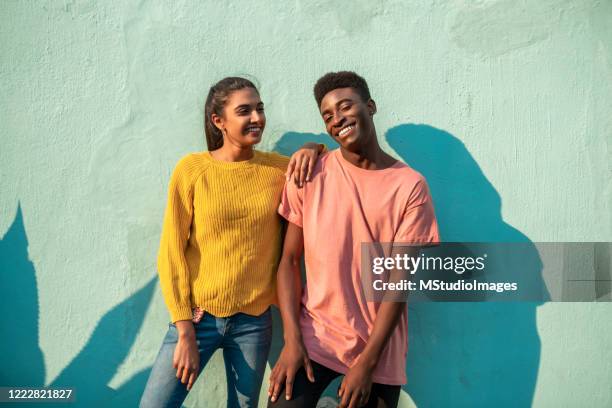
(356, 386)
(292, 357)
(186, 356)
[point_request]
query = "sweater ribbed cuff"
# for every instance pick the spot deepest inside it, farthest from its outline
(180, 313)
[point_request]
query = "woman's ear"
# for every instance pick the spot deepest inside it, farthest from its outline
(371, 107)
(217, 121)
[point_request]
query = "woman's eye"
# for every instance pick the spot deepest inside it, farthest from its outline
(260, 109)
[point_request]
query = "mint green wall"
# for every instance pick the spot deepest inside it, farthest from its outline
(98, 100)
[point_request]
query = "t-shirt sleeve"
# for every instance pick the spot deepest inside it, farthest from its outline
(419, 225)
(291, 204)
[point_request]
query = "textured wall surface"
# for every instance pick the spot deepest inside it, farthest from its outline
(99, 99)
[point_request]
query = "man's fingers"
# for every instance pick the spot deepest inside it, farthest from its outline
(289, 385)
(276, 387)
(272, 381)
(309, 370)
(365, 397)
(179, 372)
(346, 398)
(354, 402)
(275, 391)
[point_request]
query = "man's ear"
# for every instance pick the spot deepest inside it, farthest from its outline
(217, 121)
(371, 107)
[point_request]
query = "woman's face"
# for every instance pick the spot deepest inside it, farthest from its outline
(243, 119)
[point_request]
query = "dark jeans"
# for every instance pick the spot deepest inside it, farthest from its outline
(306, 394)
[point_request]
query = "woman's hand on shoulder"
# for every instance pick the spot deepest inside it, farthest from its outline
(302, 163)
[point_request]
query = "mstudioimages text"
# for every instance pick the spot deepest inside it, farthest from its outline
(440, 285)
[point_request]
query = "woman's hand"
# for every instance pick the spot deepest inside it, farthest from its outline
(302, 162)
(186, 356)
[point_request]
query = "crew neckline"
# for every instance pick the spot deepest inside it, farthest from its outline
(233, 165)
(351, 167)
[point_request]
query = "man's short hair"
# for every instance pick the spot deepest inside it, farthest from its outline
(341, 79)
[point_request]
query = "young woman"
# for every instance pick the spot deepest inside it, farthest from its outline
(219, 250)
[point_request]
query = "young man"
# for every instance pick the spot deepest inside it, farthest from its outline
(358, 194)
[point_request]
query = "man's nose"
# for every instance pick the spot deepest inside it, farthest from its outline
(338, 119)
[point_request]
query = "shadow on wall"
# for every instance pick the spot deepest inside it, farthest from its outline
(95, 365)
(467, 354)
(290, 142)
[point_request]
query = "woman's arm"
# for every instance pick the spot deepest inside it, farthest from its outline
(171, 261)
(174, 270)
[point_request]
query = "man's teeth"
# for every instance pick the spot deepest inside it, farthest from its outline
(345, 130)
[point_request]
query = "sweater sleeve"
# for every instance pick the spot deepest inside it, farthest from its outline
(171, 261)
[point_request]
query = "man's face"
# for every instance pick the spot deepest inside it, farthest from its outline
(347, 117)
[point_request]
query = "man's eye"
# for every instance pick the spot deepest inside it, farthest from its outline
(345, 107)
(327, 119)
(260, 109)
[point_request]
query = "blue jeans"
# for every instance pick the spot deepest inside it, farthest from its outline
(245, 341)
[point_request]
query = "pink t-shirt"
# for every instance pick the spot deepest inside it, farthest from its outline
(340, 208)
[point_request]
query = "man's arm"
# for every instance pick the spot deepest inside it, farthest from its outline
(356, 386)
(289, 283)
(289, 287)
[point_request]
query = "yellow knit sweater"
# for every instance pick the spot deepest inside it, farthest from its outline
(220, 242)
